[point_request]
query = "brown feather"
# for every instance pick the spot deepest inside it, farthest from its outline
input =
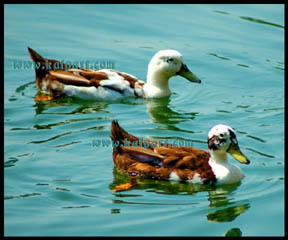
(43, 66)
(94, 75)
(63, 73)
(69, 78)
(67, 74)
(128, 78)
(159, 162)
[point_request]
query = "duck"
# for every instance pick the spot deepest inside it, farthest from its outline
(55, 79)
(158, 160)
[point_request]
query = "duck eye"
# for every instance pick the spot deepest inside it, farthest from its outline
(170, 59)
(221, 135)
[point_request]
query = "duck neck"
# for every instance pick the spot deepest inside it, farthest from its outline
(218, 157)
(159, 80)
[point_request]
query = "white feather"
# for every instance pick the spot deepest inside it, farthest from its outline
(90, 93)
(226, 172)
(196, 179)
(173, 176)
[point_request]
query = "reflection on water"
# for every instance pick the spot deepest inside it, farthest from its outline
(227, 210)
(85, 107)
(227, 214)
(224, 208)
(233, 232)
(158, 186)
(150, 203)
(238, 52)
(158, 109)
(160, 112)
(51, 125)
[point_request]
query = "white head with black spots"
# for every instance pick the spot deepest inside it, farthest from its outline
(222, 139)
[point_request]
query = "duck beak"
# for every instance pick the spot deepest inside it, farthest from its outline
(235, 151)
(186, 73)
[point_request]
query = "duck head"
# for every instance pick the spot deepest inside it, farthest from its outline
(221, 140)
(166, 64)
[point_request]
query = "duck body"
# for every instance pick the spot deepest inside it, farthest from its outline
(185, 164)
(115, 85)
(109, 84)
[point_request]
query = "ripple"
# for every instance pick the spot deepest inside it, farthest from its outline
(89, 195)
(24, 86)
(257, 138)
(256, 20)
(273, 109)
(243, 106)
(150, 203)
(66, 144)
(22, 196)
(42, 184)
(243, 65)
(218, 56)
(127, 195)
(69, 207)
(51, 139)
(221, 12)
(20, 128)
(68, 121)
(154, 207)
(261, 153)
(62, 189)
(261, 187)
(62, 180)
(223, 111)
(11, 162)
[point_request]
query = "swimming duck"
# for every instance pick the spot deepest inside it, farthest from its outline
(58, 79)
(148, 159)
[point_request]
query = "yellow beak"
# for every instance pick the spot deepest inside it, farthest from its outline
(235, 151)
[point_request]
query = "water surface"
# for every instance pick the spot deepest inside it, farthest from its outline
(58, 183)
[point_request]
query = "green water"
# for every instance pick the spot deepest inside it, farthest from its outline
(58, 183)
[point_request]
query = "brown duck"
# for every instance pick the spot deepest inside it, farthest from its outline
(147, 159)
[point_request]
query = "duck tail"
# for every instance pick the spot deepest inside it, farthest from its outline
(119, 136)
(40, 66)
(117, 133)
(36, 57)
(115, 130)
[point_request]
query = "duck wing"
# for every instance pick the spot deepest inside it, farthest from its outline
(159, 162)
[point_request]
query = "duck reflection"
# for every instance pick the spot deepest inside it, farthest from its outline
(83, 106)
(158, 109)
(224, 208)
(158, 186)
(160, 112)
(227, 210)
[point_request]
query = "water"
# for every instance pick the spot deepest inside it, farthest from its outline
(57, 182)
